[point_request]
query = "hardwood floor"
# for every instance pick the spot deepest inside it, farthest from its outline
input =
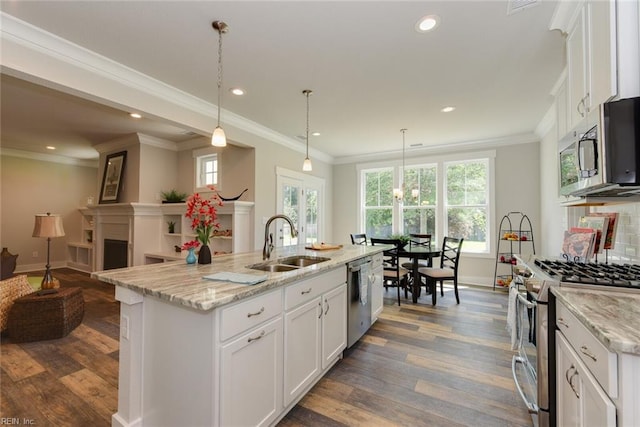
(417, 366)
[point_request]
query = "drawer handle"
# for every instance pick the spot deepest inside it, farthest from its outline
(327, 310)
(308, 291)
(588, 353)
(256, 313)
(251, 339)
(562, 322)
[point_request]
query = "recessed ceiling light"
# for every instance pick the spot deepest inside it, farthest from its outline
(237, 91)
(135, 115)
(448, 109)
(427, 23)
(50, 147)
(315, 133)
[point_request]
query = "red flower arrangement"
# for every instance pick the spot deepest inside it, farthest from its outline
(203, 215)
(193, 244)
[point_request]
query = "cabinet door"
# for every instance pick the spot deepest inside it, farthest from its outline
(576, 69)
(302, 327)
(581, 400)
(334, 324)
(251, 377)
(377, 292)
(568, 389)
(601, 28)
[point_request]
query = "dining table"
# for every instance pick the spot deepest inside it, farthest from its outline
(417, 253)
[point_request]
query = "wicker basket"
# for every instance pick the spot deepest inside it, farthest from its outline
(44, 317)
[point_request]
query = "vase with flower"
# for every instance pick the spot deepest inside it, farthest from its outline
(204, 219)
(191, 247)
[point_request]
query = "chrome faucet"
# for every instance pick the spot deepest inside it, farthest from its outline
(268, 237)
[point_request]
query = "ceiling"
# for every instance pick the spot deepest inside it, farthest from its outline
(370, 71)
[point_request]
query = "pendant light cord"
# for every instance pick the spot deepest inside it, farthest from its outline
(403, 131)
(219, 73)
(308, 93)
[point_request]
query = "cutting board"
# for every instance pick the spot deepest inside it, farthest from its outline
(323, 247)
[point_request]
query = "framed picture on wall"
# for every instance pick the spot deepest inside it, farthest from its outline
(112, 178)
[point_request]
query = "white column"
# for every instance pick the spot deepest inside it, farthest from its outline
(130, 370)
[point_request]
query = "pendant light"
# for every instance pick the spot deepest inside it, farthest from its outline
(398, 193)
(219, 139)
(306, 166)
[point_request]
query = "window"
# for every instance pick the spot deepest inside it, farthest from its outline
(442, 197)
(378, 202)
(466, 203)
(420, 199)
(207, 170)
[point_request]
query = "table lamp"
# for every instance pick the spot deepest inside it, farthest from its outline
(48, 226)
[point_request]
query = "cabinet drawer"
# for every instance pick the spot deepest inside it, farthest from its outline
(308, 289)
(248, 314)
(376, 260)
(600, 361)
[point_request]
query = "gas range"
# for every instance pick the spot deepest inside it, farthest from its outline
(617, 275)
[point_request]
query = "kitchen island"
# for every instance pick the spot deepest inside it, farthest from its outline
(195, 351)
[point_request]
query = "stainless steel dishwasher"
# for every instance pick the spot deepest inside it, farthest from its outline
(359, 291)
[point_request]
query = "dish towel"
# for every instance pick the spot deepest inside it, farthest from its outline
(512, 315)
(364, 288)
(245, 279)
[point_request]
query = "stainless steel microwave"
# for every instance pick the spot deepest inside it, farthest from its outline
(605, 159)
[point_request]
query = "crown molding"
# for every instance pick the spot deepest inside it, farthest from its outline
(51, 158)
(443, 149)
(37, 40)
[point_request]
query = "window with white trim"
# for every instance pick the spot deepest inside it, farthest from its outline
(207, 171)
(442, 197)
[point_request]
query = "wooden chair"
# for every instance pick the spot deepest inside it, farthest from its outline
(359, 239)
(393, 274)
(449, 261)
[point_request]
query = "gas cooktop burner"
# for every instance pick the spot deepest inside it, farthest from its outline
(620, 275)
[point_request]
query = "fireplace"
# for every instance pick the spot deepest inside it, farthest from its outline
(115, 254)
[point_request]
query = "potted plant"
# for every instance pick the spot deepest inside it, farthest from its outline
(172, 226)
(403, 238)
(173, 196)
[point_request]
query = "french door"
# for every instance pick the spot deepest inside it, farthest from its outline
(301, 198)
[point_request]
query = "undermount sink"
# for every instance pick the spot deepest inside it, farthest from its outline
(302, 260)
(288, 263)
(273, 268)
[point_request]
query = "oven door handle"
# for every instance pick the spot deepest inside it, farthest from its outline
(523, 300)
(531, 407)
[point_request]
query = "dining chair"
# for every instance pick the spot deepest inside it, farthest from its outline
(358, 239)
(417, 240)
(393, 273)
(448, 270)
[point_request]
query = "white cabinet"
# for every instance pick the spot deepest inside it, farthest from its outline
(251, 361)
(315, 330)
(591, 61)
(334, 324)
(581, 400)
(377, 286)
(251, 377)
(302, 347)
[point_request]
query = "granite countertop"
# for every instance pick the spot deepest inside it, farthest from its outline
(613, 317)
(182, 284)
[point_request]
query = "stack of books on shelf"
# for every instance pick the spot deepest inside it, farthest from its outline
(595, 233)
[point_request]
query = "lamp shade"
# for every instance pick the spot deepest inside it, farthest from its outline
(218, 139)
(48, 225)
